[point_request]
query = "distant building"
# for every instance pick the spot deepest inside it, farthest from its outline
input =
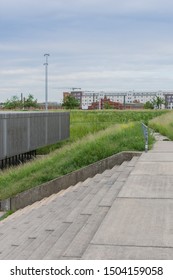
(89, 99)
(75, 94)
(169, 100)
(105, 103)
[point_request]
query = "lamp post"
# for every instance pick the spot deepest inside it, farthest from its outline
(46, 81)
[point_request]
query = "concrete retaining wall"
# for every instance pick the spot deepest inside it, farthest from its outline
(37, 193)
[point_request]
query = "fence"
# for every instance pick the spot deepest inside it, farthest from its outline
(24, 132)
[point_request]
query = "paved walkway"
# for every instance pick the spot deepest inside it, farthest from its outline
(124, 213)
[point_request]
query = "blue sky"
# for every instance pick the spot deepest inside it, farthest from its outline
(93, 44)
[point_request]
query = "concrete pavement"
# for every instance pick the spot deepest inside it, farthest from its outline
(124, 213)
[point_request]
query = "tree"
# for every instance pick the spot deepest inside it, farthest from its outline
(148, 105)
(158, 102)
(16, 103)
(12, 103)
(71, 102)
(30, 102)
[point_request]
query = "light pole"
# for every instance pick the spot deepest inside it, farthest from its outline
(46, 81)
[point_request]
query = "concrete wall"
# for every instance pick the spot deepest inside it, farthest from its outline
(22, 132)
(54, 186)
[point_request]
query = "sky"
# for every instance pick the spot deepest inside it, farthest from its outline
(93, 45)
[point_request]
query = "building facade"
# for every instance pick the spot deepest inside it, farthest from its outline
(87, 98)
(169, 100)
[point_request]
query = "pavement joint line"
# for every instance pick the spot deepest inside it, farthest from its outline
(151, 198)
(131, 246)
(142, 161)
(84, 214)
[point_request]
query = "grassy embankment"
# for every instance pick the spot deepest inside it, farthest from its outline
(94, 136)
(163, 124)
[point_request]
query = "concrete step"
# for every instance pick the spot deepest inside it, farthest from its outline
(35, 218)
(79, 244)
(56, 249)
(76, 188)
(49, 228)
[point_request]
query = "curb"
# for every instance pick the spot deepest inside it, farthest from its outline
(30, 196)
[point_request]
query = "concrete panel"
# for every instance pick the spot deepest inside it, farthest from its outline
(108, 252)
(151, 168)
(162, 146)
(150, 157)
(137, 222)
(145, 186)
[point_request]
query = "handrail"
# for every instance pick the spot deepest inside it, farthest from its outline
(145, 132)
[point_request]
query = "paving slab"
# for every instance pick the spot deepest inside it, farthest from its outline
(156, 157)
(162, 146)
(153, 168)
(111, 252)
(147, 186)
(137, 222)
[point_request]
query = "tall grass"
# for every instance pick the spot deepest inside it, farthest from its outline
(94, 135)
(83, 123)
(163, 124)
(94, 147)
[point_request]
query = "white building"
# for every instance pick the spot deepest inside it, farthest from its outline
(123, 97)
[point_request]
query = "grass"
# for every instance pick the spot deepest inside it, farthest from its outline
(90, 149)
(94, 136)
(83, 123)
(8, 213)
(163, 125)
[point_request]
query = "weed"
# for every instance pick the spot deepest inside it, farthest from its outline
(8, 213)
(94, 136)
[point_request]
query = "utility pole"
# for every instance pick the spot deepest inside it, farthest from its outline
(46, 81)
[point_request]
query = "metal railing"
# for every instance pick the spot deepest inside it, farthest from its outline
(145, 132)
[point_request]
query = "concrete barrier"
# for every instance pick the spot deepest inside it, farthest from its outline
(54, 186)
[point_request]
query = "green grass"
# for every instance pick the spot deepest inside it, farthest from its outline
(94, 135)
(83, 123)
(163, 125)
(8, 213)
(72, 157)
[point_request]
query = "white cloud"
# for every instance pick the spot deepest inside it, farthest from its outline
(68, 7)
(92, 43)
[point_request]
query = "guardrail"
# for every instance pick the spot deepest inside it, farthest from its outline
(145, 132)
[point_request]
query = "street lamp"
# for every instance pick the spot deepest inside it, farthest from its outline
(46, 81)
